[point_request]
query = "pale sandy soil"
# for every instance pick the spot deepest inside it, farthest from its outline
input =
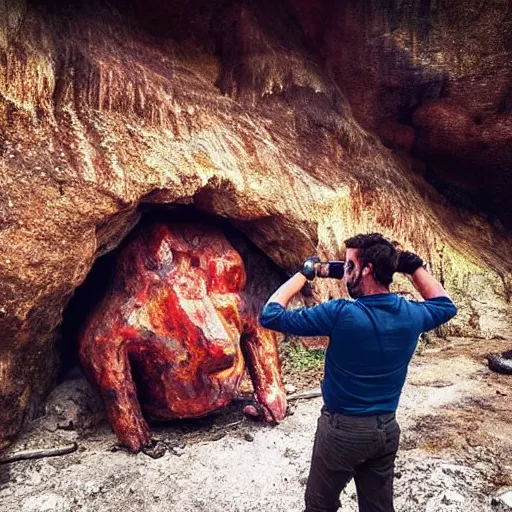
(456, 452)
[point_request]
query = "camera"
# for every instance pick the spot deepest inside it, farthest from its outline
(332, 269)
(314, 267)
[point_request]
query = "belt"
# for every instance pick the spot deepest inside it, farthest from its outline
(378, 420)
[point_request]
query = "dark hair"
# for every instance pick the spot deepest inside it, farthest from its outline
(379, 251)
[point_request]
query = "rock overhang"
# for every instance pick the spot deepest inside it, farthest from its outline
(103, 118)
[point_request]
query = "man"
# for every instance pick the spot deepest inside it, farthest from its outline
(371, 341)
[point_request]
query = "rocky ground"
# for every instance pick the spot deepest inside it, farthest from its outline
(456, 450)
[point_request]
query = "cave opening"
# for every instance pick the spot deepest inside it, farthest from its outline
(263, 275)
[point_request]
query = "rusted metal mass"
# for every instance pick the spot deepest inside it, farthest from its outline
(165, 342)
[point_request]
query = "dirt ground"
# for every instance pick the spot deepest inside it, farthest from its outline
(455, 455)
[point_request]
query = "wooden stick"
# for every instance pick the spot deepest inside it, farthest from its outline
(304, 395)
(301, 395)
(37, 454)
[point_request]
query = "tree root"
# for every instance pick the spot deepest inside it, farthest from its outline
(305, 395)
(37, 454)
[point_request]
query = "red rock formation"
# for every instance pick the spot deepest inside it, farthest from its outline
(165, 342)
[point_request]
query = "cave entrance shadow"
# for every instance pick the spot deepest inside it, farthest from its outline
(87, 296)
(93, 289)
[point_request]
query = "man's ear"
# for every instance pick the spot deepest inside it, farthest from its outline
(368, 269)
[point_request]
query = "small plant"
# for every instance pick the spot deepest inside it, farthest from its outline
(298, 357)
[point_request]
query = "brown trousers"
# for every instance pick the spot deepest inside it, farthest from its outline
(363, 448)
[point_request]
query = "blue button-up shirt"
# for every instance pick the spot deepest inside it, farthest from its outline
(372, 341)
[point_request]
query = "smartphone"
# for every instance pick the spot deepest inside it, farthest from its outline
(333, 269)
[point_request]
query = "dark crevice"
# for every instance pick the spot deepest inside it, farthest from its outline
(99, 280)
(456, 196)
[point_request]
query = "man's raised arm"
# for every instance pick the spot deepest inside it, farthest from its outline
(439, 307)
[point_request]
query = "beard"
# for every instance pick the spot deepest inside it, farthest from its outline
(354, 290)
(354, 287)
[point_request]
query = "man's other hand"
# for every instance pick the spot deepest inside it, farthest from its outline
(408, 262)
(308, 269)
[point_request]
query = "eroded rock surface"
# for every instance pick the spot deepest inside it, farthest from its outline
(166, 341)
(232, 108)
(72, 405)
(434, 81)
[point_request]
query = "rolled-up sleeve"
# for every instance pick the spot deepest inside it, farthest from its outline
(313, 321)
(437, 311)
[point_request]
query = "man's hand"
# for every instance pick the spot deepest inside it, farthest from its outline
(408, 262)
(308, 269)
(411, 264)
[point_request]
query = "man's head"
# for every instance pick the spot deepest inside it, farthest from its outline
(370, 263)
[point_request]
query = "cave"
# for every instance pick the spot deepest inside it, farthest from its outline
(99, 277)
(286, 127)
(180, 297)
(88, 294)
